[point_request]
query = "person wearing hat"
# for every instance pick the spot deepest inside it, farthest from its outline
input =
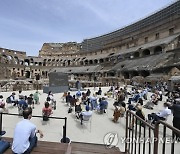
(86, 115)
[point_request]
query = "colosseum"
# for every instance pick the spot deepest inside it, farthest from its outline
(148, 49)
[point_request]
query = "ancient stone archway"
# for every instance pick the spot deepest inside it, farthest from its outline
(28, 74)
(145, 73)
(157, 50)
(126, 75)
(146, 52)
(26, 62)
(136, 54)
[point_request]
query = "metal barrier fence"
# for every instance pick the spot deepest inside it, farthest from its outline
(139, 133)
(63, 140)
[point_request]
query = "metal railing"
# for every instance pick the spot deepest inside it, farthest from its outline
(63, 140)
(140, 135)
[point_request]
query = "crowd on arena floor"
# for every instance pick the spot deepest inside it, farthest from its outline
(85, 103)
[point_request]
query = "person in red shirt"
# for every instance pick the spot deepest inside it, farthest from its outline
(46, 111)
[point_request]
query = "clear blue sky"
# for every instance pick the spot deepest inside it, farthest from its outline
(26, 24)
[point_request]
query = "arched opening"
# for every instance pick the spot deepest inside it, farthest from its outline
(26, 62)
(136, 55)
(69, 62)
(107, 59)
(81, 62)
(157, 50)
(40, 64)
(86, 62)
(135, 73)
(27, 75)
(16, 60)
(36, 63)
(90, 62)
(145, 73)
(146, 52)
(21, 62)
(126, 75)
(95, 61)
(31, 61)
(127, 56)
(44, 63)
(101, 60)
(4, 59)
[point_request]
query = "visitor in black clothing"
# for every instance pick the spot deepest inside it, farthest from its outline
(176, 116)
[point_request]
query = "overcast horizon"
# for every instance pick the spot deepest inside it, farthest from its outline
(27, 24)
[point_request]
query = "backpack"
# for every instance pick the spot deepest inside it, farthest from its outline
(45, 118)
(70, 110)
(8, 100)
(48, 99)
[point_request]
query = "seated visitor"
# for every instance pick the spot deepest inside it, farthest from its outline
(20, 94)
(140, 113)
(11, 99)
(84, 98)
(36, 97)
(68, 98)
(162, 115)
(25, 139)
(153, 101)
(135, 98)
(78, 108)
(64, 95)
(2, 104)
(86, 115)
(22, 105)
(119, 112)
(120, 99)
(93, 102)
(51, 100)
(30, 101)
(103, 104)
(99, 91)
(46, 111)
(88, 93)
(78, 94)
(176, 116)
(73, 101)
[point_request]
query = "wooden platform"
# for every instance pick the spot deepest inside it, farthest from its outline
(73, 148)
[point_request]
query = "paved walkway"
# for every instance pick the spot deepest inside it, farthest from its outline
(94, 133)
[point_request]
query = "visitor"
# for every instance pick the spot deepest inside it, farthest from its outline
(176, 116)
(119, 112)
(25, 139)
(36, 97)
(162, 115)
(46, 111)
(86, 115)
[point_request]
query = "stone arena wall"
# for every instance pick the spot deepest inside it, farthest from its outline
(105, 59)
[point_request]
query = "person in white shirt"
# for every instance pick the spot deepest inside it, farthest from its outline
(25, 139)
(162, 115)
(86, 115)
